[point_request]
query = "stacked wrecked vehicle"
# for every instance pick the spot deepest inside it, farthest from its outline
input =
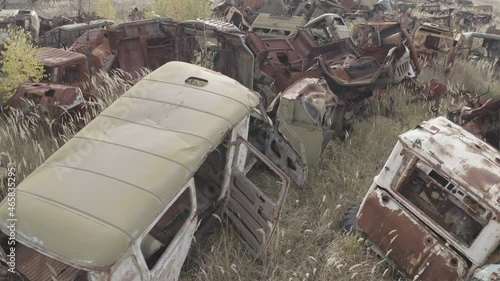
(275, 66)
(286, 128)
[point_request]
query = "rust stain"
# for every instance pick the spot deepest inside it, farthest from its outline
(415, 249)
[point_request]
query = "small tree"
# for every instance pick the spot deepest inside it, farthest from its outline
(19, 64)
(180, 10)
(105, 9)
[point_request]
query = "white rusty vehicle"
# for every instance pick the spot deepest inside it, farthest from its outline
(434, 209)
(26, 19)
(123, 198)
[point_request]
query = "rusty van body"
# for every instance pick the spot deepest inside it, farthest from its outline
(144, 183)
(433, 210)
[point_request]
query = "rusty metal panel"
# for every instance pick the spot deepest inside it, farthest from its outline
(436, 140)
(53, 57)
(469, 179)
(484, 121)
(433, 90)
(279, 58)
(37, 267)
(90, 39)
(343, 65)
(347, 4)
(492, 30)
(152, 43)
(306, 118)
(101, 54)
(52, 100)
(437, 42)
(490, 106)
(131, 55)
(406, 241)
(237, 60)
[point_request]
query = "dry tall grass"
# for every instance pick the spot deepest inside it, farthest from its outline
(309, 244)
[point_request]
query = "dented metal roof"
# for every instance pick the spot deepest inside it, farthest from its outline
(100, 191)
(85, 26)
(52, 57)
(470, 162)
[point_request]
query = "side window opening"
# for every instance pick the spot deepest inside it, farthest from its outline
(63, 37)
(432, 42)
(312, 110)
(321, 33)
(71, 73)
(47, 73)
(22, 23)
(209, 178)
(268, 31)
(163, 233)
(262, 30)
(339, 21)
(208, 183)
(50, 93)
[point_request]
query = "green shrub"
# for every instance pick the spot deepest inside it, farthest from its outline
(105, 9)
(19, 64)
(180, 10)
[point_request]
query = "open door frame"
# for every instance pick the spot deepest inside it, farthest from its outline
(253, 213)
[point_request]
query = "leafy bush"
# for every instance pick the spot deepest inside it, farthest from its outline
(180, 10)
(19, 64)
(105, 9)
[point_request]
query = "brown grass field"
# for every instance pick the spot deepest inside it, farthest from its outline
(308, 244)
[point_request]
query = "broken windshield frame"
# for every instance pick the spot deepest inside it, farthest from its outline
(436, 197)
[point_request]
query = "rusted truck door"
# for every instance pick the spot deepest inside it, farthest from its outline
(254, 212)
(131, 55)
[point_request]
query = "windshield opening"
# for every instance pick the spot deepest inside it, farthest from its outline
(442, 201)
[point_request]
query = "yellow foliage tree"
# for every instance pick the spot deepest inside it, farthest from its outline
(19, 64)
(105, 9)
(180, 10)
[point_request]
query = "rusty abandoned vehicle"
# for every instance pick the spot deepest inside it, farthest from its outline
(281, 79)
(205, 170)
(433, 209)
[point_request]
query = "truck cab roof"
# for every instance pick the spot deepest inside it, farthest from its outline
(471, 162)
(79, 212)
